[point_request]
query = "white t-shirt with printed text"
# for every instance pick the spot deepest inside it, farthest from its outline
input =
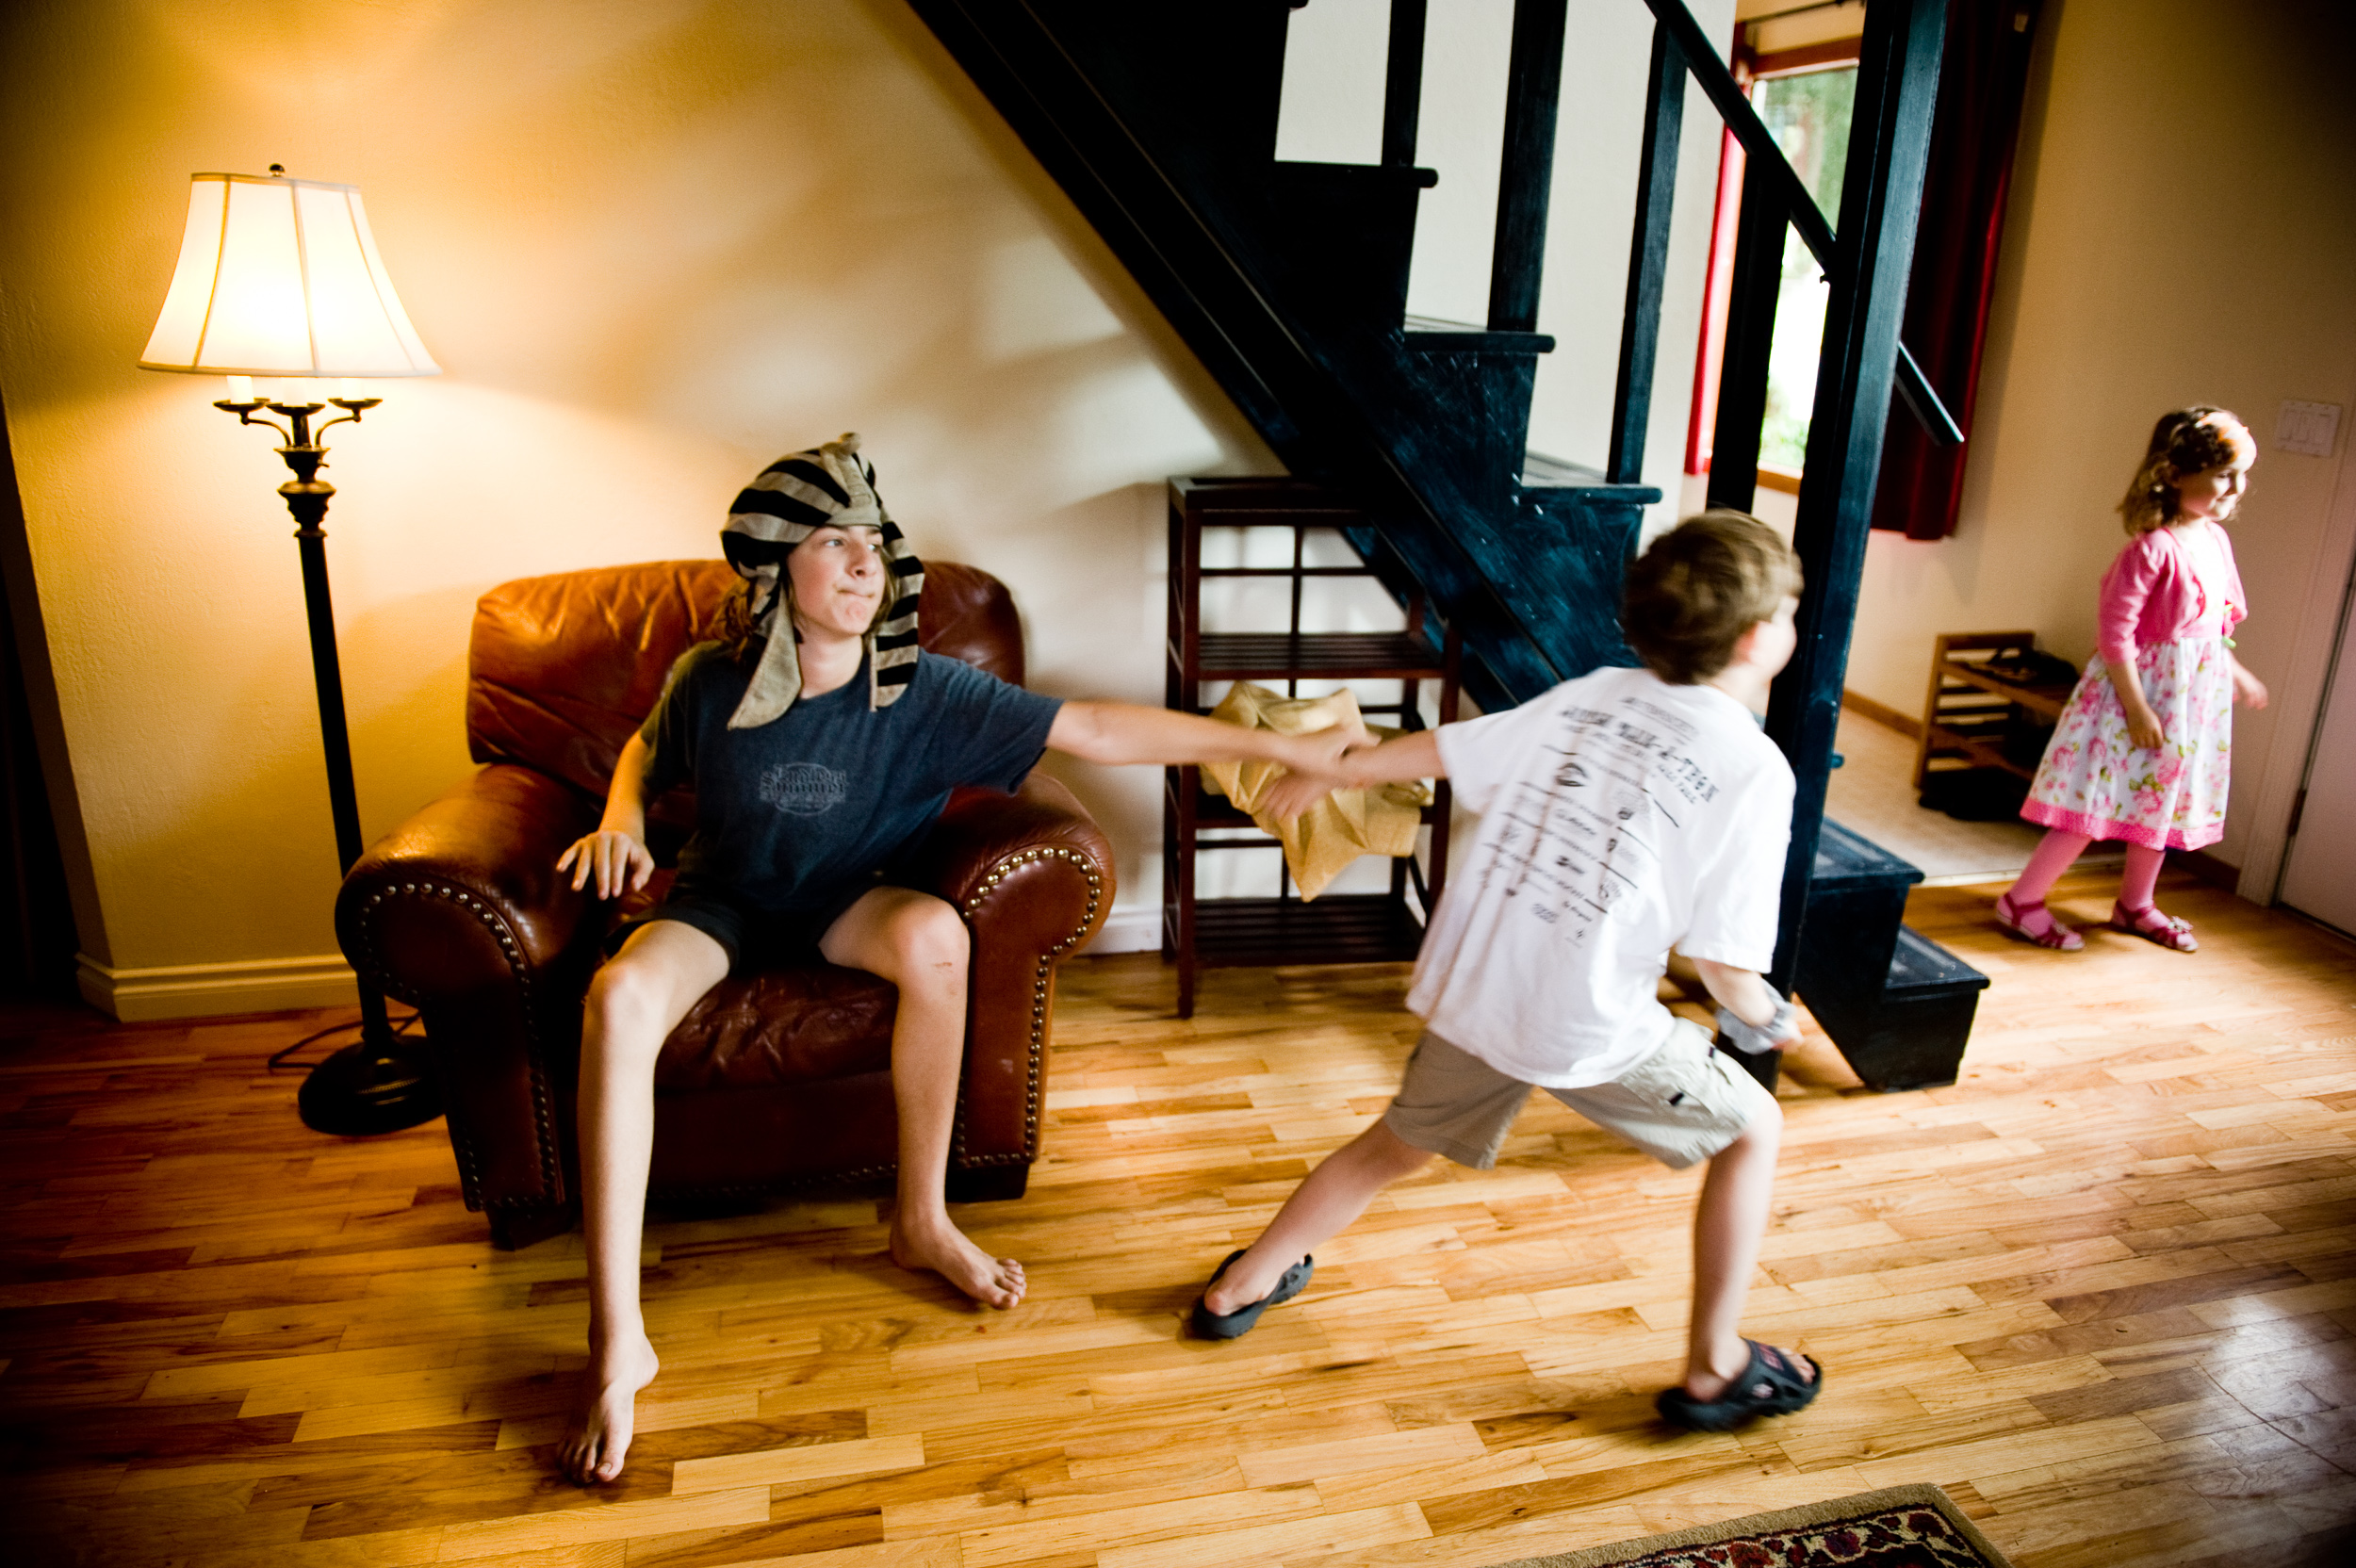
(1621, 816)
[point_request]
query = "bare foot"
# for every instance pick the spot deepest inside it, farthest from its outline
(599, 1438)
(946, 1250)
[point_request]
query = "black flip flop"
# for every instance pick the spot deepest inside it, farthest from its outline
(1770, 1385)
(1234, 1324)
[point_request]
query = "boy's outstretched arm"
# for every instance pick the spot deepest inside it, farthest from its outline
(615, 855)
(1747, 995)
(1119, 732)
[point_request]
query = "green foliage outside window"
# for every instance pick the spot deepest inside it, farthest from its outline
(1809, 116)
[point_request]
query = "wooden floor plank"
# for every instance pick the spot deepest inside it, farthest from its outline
(2103, 1289)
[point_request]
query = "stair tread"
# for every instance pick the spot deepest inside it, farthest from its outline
(1920, 965)
(1412, 175)
(1847, 861)
(1542, 473)
(1432, 335)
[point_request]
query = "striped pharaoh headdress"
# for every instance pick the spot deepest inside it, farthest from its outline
(828, 486)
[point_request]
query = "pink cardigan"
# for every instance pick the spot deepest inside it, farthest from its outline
(2152, 595)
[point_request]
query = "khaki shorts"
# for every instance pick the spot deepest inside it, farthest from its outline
(1681, 1104)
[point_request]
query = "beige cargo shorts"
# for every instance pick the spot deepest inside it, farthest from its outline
(1681, 1104)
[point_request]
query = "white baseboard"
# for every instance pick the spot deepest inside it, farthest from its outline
(165, 991)
(1136, 928)
(207, 991)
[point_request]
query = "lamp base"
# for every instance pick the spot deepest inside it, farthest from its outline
(368, 1089)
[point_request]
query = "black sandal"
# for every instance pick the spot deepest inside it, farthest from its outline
(1770, 1385)
(1234, 1324)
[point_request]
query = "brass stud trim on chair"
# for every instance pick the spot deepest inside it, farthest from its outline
(464, 1144)
(1041, 980)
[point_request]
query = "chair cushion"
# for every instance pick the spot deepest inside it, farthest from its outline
(781, 1026)
(561, 669)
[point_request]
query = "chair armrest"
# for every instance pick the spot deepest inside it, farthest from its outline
(460, 912)
(1033, 875)
(983, 836)
(465, 893)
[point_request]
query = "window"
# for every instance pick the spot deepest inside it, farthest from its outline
(1808, 113)
(1804, 96)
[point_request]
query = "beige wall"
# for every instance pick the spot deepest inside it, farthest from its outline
(2182, 229)
(653, 243)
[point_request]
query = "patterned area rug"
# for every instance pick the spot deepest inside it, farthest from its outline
(1901, 1527)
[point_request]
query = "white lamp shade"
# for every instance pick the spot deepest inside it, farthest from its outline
(280, 277)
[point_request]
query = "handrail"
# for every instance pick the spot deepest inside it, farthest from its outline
(1799, 202)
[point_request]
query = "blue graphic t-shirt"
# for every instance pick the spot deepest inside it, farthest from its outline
(790, 812)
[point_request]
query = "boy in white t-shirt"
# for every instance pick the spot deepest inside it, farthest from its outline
(1623, 813)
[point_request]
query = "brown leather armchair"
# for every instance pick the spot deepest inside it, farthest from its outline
(774, 1082)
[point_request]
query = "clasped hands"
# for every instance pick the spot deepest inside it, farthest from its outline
(1314, 769)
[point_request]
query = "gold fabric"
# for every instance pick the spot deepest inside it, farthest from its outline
(1337, 829)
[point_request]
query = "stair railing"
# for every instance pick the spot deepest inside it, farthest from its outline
(1862, 367)
(1533, 96)
(1863, 362)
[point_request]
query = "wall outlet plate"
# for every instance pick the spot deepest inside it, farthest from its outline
(2308, 428)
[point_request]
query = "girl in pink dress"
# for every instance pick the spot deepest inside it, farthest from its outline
(2143, 750)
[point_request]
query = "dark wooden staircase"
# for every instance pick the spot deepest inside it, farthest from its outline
(1289, 280)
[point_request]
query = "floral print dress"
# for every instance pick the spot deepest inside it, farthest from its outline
(2096, 781)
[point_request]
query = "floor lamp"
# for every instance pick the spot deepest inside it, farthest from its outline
(280, 277)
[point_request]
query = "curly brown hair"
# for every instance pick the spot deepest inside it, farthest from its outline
(1699, 588)
(735, 630)
(2185, 441)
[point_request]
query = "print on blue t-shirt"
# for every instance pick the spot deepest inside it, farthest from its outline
(804, 788)
(790, 811)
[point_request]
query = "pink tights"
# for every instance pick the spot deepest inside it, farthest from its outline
(2053, 857)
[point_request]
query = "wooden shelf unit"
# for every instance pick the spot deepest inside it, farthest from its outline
(1337, 928)
(1971, 713)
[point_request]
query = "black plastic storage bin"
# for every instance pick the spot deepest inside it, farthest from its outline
(1912, 1035)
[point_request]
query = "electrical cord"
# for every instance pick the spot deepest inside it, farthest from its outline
(401, 1026)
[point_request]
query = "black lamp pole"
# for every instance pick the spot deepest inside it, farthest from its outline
(382, 1082)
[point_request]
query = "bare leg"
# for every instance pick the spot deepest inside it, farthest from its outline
(1727, 1229)
(634, 1001)
(918, 944)
(1335, 1194)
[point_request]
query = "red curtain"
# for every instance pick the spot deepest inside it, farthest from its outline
(1981, 82)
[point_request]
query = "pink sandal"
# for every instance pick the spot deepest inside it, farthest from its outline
(2152, 927)
(2056, 936)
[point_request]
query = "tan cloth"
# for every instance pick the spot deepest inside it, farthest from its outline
(1339, 829)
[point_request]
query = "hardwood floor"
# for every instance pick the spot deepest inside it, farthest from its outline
(2101, 1290)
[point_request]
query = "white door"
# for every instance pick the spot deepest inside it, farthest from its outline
(2319, 870)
